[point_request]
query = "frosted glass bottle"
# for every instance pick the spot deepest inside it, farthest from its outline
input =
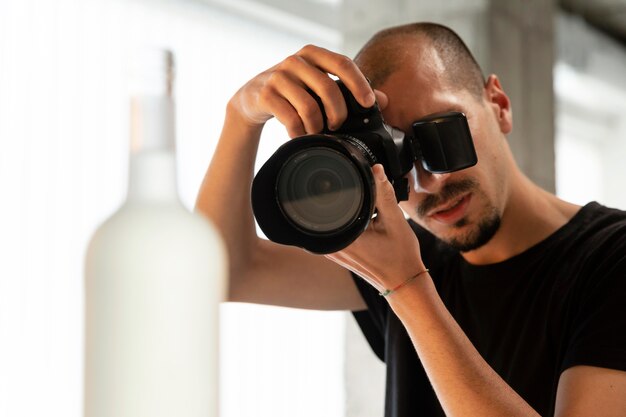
(154, 278)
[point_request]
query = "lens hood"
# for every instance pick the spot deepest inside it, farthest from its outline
(282, 226)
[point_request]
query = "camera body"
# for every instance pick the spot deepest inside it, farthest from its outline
(318, 192)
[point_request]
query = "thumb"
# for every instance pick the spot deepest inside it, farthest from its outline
(386, 202)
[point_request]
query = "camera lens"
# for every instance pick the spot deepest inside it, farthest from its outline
(320, 190)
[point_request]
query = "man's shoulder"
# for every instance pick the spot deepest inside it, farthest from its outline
(597, 224)
(593, 249)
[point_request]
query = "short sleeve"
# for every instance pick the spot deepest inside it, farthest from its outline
(598, 336)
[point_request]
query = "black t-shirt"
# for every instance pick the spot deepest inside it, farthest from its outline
(560, 303)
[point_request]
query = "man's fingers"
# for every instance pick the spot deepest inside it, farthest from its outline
(286, 115)
(285, 90)
(344, 68)
(305, 105)
(310, 76)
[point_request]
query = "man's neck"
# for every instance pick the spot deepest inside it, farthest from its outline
(531, 215)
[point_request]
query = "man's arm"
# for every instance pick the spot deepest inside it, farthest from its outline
(261, 271)
(591, 391)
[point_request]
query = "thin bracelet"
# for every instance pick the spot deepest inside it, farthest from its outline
(396, 288)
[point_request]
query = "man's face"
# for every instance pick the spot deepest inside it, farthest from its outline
(462, 208)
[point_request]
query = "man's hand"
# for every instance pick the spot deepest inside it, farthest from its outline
(387, 253)
(281, 91)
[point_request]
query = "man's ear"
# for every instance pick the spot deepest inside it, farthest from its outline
(497, 99)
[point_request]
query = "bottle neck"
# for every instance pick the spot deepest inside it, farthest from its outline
(152, 171)
(152, 177)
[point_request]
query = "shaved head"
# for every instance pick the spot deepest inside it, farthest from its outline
(389, 49)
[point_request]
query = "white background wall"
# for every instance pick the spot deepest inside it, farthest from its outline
(63, 169)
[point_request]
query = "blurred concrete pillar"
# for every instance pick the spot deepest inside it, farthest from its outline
(511, 38)
(522, 53)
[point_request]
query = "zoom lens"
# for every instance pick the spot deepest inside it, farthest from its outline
(319, 190)
(316, 192)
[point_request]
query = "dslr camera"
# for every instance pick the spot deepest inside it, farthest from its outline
(318, 192)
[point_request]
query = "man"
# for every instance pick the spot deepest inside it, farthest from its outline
(522, 312)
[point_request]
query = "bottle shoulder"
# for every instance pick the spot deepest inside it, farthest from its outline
(168, 223)
(145, 244)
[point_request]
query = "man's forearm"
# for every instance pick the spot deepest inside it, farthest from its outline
(464, 383)
(224, 195)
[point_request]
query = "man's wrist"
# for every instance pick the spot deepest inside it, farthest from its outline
(389, 291)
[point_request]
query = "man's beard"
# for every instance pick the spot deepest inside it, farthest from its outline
(477, 237)
(474, 238)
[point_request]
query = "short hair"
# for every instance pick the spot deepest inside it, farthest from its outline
(381, 55)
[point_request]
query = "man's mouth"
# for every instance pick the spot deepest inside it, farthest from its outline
(452, 211)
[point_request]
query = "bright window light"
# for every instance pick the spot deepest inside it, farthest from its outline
(63, 169)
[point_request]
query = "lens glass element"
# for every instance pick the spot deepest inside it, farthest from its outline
(320, 190)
